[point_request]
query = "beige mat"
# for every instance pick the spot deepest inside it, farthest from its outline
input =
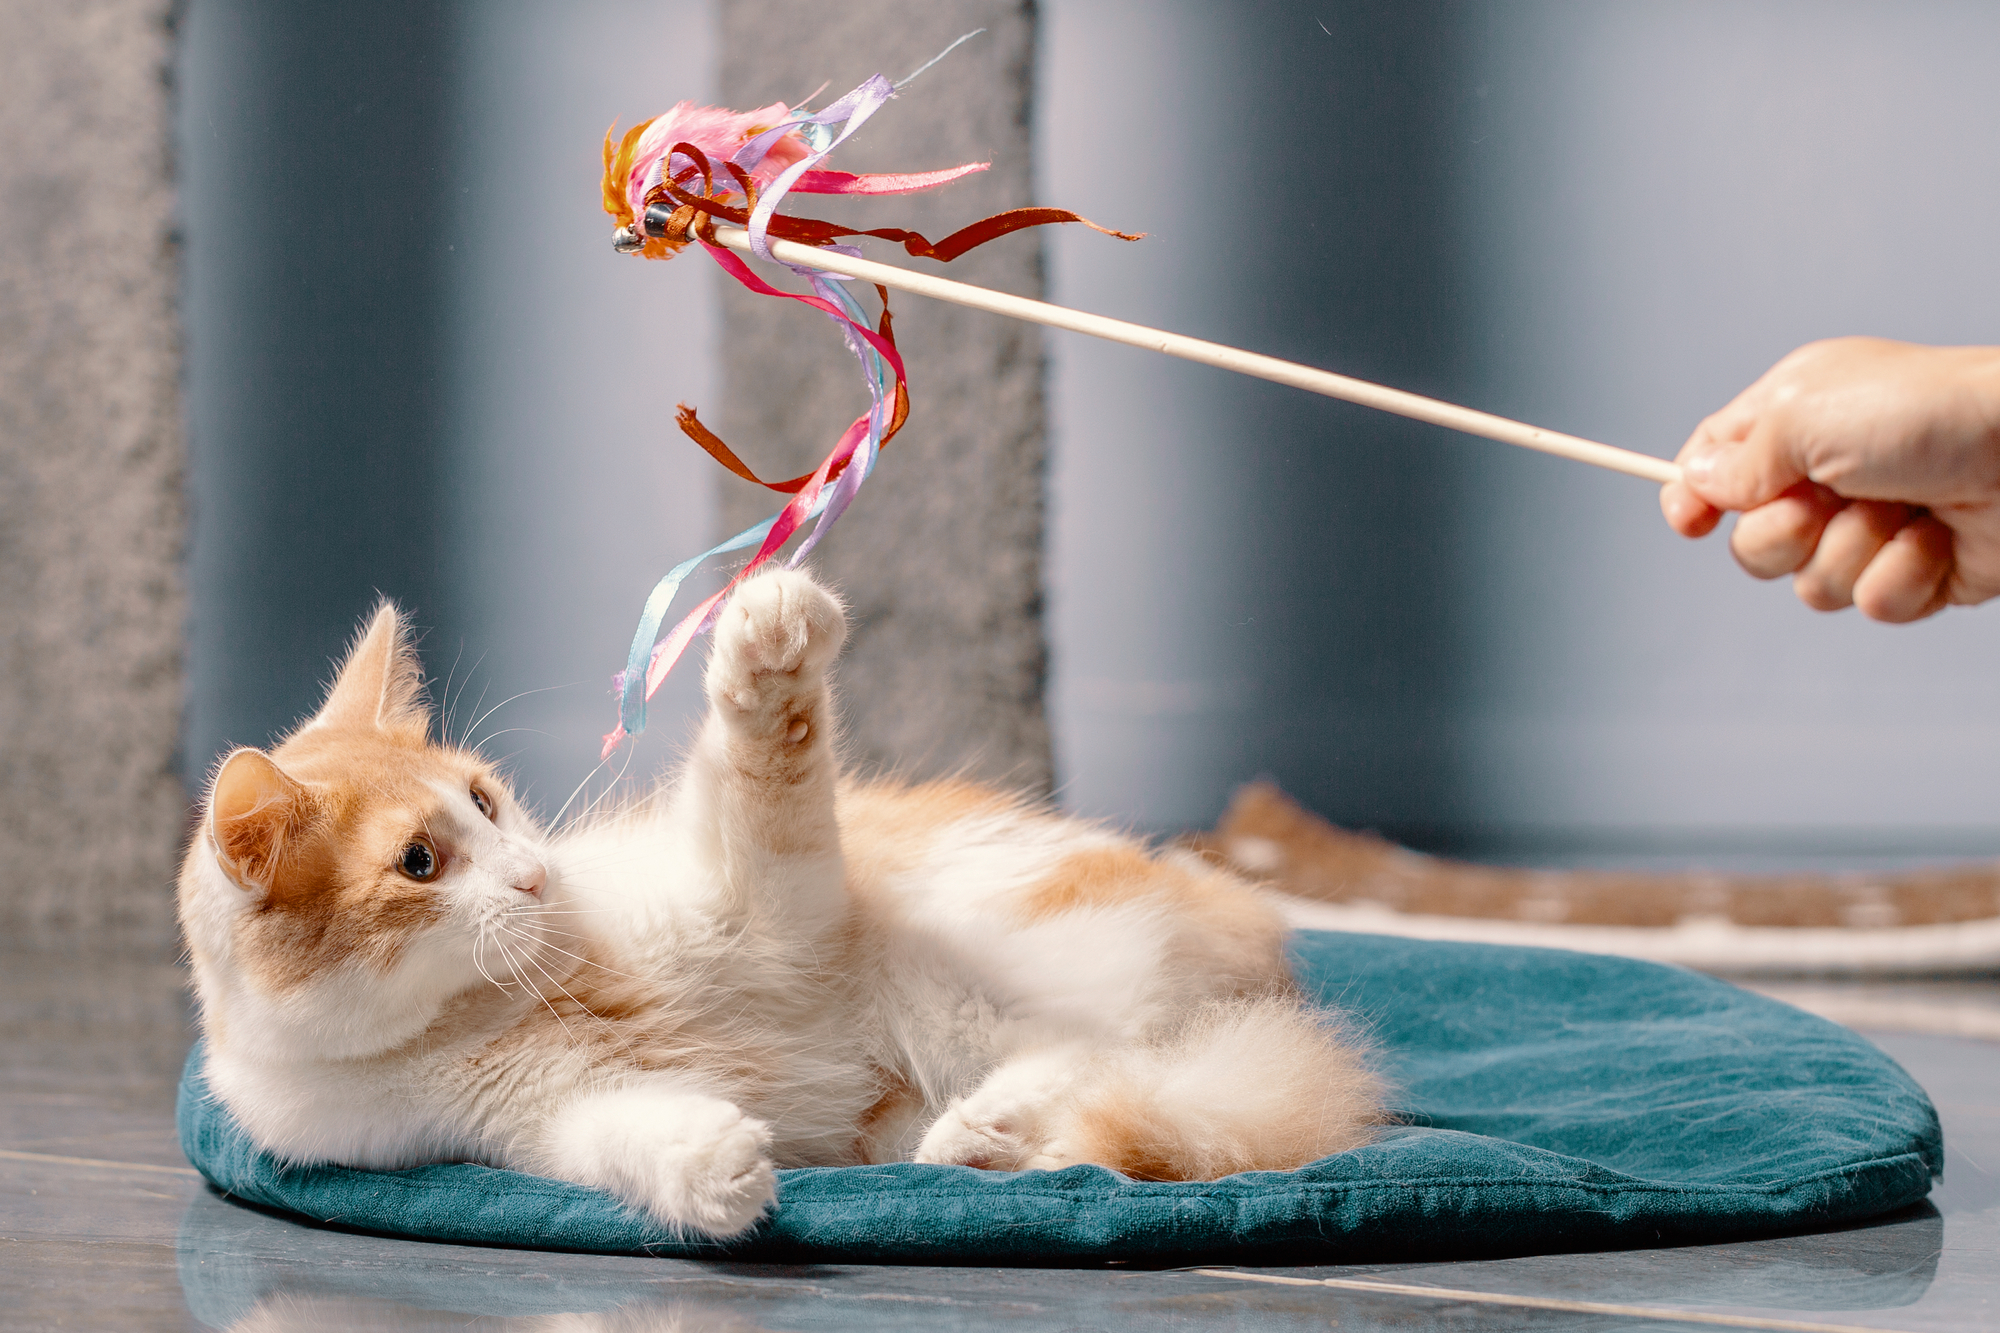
(1915, 922)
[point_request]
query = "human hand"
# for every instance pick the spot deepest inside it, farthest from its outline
(1868, 470)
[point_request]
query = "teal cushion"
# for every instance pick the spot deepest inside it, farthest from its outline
(1549, 1100)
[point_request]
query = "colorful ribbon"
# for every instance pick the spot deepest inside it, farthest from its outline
(643, 174)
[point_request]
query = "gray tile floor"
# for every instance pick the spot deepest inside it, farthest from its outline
(102, 1225)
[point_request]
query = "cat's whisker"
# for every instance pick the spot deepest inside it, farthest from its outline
(590, 806)
(565, 934)
(587, 962)
(464, 735)
(584, 1010)
(445, 701)
(509, 731)
(530, 928)
(471, 671)
(533, 938)
(541, 930)
(544, 689)
(555, 822)
(612, 786)
(520, 978)
(546, 1002)
(538, 910)
(478, 959)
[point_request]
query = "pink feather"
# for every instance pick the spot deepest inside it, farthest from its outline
(908, 182)
(718, 132)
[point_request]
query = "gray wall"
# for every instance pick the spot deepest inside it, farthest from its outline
(418, 370)
(1248, 580)
(1602, 218)
(317, 207)
(91, 456)
(1664, 200)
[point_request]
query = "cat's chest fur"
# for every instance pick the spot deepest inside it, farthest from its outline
(784, 1033)
(780, 1026)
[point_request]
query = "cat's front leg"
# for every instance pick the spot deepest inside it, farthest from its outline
(763, 774)
(691, 1162)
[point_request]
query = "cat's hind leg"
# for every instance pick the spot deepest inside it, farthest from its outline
(1244, 1085)
(1008, 1118)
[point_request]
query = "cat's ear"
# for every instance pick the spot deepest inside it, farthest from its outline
(254, 810)
(381, 684)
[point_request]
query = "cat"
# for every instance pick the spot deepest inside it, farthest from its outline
(761, 964)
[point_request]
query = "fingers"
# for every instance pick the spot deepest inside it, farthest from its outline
(1852, 538)
(1742, 456)
(1687, 513)
(1780, 537)
(1907, 580)
(1889, 561)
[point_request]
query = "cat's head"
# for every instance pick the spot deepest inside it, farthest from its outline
(345, 885)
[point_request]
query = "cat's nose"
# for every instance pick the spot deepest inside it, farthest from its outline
(532, 882)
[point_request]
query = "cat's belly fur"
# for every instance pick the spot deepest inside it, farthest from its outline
(918, 978)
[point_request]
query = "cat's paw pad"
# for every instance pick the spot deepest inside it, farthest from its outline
(780, 624)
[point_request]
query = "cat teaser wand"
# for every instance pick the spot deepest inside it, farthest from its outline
(1219, 355)
(651, 177)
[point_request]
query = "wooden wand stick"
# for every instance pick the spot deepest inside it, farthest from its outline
(1271, 368)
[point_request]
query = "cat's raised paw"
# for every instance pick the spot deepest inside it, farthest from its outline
(778, 628)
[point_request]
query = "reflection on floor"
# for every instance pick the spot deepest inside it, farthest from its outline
(104, 1226)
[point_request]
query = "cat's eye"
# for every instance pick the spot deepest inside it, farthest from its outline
(419, 861)
(483, 801)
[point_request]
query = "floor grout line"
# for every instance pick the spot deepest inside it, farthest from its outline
(13, 1155)
(1549, 1303)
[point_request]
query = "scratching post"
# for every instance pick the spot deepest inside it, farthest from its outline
(92, 522)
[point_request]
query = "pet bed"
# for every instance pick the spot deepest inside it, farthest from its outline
(1550, 1100)
(1922, 921)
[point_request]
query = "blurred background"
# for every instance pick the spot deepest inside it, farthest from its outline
(410, 365)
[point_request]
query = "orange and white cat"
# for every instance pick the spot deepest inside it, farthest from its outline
(759, 965)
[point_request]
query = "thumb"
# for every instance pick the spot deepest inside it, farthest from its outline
(1738, 459)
